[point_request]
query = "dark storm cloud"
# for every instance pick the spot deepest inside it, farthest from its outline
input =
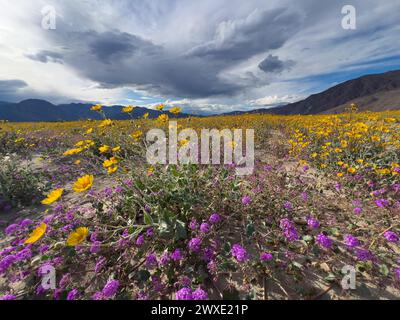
(272, 64)
(115, 45)
(10, 88)
(257, 33)
(46, 56)
(117, 59)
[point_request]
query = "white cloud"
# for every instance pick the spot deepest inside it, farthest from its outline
(273, 100)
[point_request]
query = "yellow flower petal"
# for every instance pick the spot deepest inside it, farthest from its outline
(77, 236)
(53, 196)
(83, 183)
(36, 234)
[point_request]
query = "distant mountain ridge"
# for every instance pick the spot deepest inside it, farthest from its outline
(375, 92)
(42, 110)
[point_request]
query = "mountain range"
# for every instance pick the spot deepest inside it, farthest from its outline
(375, 92)
(41, 110)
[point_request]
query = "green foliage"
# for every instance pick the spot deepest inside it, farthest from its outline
(19, 185)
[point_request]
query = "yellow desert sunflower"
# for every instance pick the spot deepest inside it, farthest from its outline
(73, 151)
(111, 170)
(77, 236)
(110, 162)
(136, 135)
(36, 234)
(163, 118)
(53, 196)
(127, 109)
(175, 110)
(104, 148)
(83, 183)
(97, 107)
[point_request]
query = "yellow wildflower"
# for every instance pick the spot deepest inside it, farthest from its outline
(36, 234)
(127, 109)
(110, 162)
(97, 107)
(351, 170)
(83, 183)
(163, 118)
(112, 170)
(175, 110)
(53, 196)
(105, 123)
(78, 236)
(136, 135)
(72, 151)
(104, 148)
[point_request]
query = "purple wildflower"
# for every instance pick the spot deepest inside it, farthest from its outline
(208, 254)
(24, 254)
(40, 290)
(364, 255)
(95, 247)
(142, 296)
(140, 240)
(246, 200)
(199, 294)
(98, 296)
(25, 223)
(111, 288)
(312, 223)
(193, 224)
(6, 262)
(304, 196)
(205, 227)
(266, 256)
(382, 203)
(184, 294)
(64, 280)
(176, 255)
(165, 258)
(100, 264)
(150, 232)
(397, 273)
(324, 241)
(151, 260)
(72, 295)
(194, 244)
(215, 218)
(289, 230)
(391, 236)
(44, 248)
(351, 241)
(11, 229)
(357, 210)
(239, 253)
(288, 206)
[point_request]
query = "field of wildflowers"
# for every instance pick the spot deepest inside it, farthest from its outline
(79, 198)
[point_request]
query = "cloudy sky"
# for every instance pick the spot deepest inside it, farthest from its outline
(207, 56)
